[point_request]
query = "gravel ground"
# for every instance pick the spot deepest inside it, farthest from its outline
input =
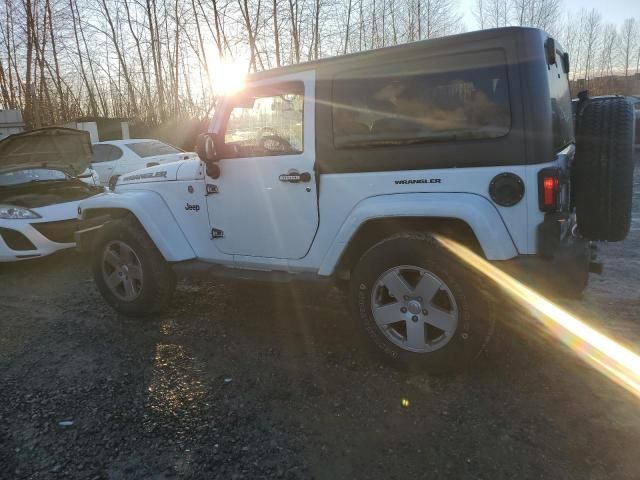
(243, 380)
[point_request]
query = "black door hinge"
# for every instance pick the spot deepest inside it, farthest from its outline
(211, 188)
(216, 233)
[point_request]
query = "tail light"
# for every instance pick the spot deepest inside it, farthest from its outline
(549, 189)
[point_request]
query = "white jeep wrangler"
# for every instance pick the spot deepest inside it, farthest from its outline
(345, 168)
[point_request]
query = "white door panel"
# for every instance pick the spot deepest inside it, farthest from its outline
(262, 213)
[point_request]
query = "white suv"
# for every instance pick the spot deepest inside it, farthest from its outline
(345, 169)
(114, 158)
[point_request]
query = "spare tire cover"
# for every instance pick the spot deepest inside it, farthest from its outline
(603, 169)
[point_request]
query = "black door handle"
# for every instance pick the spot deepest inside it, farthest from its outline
(295, 177)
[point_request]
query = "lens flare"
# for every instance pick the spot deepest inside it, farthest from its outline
(604, 354)
(228, 77)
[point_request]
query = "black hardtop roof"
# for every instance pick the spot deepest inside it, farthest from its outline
(440, 43)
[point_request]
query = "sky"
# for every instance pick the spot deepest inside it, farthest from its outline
(613, 11)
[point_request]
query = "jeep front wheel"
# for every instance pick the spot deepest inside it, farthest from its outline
(130, 272)
(419, 305)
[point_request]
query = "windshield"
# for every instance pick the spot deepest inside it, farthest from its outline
(31, 175)
(151, 149)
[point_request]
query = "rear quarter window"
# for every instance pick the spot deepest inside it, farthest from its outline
(457, 97)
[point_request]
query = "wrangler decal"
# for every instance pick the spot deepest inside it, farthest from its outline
(418, 180)
(142, 176)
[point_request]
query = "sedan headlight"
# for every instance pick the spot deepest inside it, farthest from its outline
(8, 212)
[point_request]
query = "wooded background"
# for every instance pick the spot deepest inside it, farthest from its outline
(155, 60)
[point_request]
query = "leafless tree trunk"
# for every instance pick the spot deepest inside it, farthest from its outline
(28, 86)
(121, 60)
(316, 30)
(143, 68)
(156, 55)
(591, 39)
(276, 32)
(347, 29)
(628, 43)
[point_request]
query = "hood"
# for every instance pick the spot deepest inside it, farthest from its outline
(56, 148)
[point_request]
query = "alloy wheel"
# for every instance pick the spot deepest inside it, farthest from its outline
(414, 309)
(122, 270)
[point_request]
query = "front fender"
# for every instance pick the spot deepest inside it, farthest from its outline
(153, 214)
(476, 211)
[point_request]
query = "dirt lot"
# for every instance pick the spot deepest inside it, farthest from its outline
(256, 381)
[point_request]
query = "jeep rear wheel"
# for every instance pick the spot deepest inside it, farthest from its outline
(604, 169)
(129, 271)
(419, 306)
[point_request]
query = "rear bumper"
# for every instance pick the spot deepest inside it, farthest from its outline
(562, 264)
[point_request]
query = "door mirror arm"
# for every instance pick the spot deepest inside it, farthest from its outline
(213, 170)
(206, 147)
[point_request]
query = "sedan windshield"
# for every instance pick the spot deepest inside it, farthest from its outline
(18, 177)
(151, 149)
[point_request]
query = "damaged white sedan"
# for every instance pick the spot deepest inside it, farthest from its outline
(42, 179)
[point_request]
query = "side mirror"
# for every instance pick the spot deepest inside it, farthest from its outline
(206, 147)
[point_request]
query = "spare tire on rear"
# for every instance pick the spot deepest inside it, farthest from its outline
(603, 171)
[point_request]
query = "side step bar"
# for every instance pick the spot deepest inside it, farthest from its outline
(199, 269)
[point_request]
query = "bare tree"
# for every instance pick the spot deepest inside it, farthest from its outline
(114, 37)
(155, 60)
(591, 36)
(492, 13)
(628, 43)
(535, 13)
(607, 56)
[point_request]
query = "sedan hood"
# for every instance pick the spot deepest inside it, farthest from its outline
(56, 148)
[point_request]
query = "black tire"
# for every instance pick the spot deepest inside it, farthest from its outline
(475, 323)
(158, 278)
(603, 173)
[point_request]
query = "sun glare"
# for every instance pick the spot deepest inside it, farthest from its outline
(228, 77)
(608, 357)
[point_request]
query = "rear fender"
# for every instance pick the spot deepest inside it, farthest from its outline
(476, 211)
(152, 213)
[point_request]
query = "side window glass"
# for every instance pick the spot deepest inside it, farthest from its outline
(429, 102)
(100, 153)
(265, 123)
(105, 153)
(115, 153)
